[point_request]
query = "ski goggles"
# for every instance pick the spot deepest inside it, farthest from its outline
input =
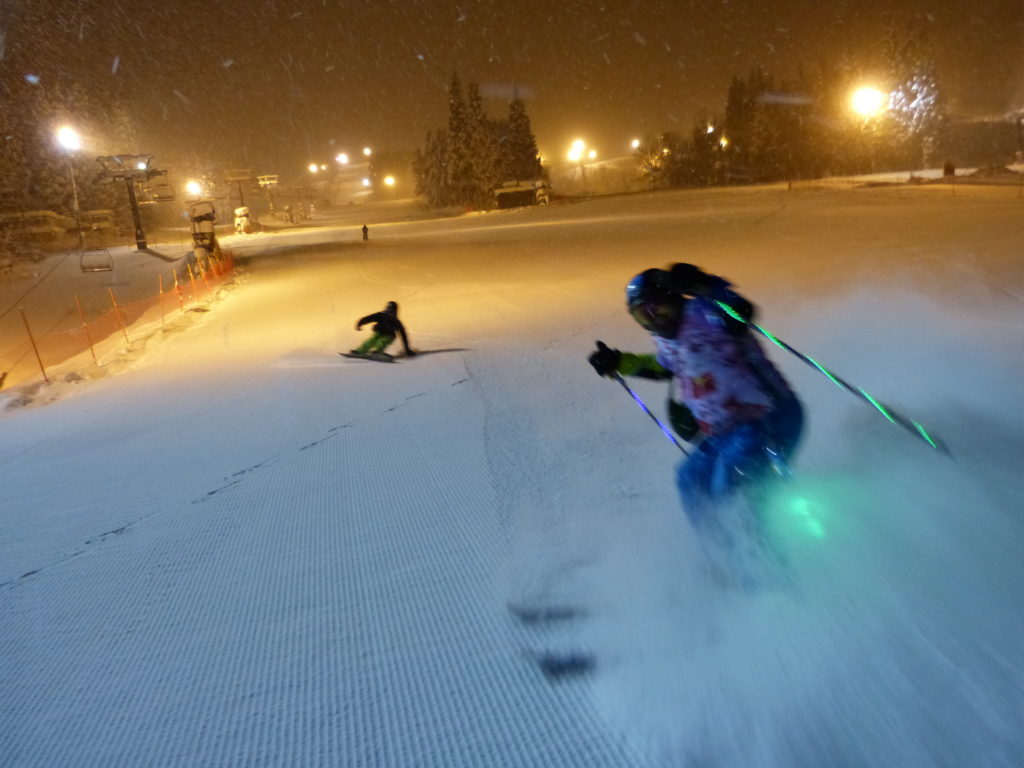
(652, 315)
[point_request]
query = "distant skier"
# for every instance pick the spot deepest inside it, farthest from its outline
(725, 390)
(387, 326)
(366, 232)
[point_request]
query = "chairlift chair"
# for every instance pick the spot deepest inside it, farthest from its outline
(95, 260)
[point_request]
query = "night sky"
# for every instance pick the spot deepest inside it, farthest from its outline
(273, 84)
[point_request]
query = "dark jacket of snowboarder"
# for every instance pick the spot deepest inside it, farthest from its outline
(386, 327)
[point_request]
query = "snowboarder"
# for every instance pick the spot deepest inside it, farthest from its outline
(366, 232)
(725, 392)
(387, 326)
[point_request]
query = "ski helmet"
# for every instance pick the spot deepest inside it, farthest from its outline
(391, 308)
(647, 287)
(653, 304)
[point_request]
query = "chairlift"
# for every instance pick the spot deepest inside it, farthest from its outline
(158, 190)
(96, 260)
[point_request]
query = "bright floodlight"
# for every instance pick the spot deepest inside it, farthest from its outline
(366, 182)
(68, 138)
(576, 150)
(867, 101)
(141, 165)
(592, 154)
(342, 159)
(193, 188)
(389, 181)
(313, 167)
(635, 143)
(367, 151)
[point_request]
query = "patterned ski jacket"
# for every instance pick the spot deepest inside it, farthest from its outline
(722, 376)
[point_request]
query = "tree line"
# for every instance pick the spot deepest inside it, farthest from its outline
(462, 164)
(804, 128)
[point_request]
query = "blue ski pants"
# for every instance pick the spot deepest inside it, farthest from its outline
(724, 463)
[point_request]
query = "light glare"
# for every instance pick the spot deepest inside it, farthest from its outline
(867, 101)
(68, 138)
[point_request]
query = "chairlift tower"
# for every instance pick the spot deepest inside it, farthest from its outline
(268, 182)
(239, 177)
(131, 169)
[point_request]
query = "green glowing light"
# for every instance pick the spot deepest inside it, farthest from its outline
(825, 371)
(730, 311)
(801, 507)
(921, 431)
(878, 405)
(815, 529)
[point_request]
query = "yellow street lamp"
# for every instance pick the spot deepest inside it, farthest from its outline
(313, 167)
(194, 188)
(68, 138)
(576, 150)
(389, 181)
(867, 101)
(342, 159)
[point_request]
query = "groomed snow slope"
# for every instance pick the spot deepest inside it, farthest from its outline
(248, 550)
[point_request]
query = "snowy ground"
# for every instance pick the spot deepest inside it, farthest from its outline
(247, 550)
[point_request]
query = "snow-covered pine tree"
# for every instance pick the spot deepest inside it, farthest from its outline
(522, 160)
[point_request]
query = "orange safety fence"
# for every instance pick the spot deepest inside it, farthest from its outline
(75, 334)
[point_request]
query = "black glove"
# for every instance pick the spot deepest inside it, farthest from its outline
(359, 326)
(682, 421)
(605, 360)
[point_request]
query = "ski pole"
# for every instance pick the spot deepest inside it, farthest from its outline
(893, 416)
(647, 410)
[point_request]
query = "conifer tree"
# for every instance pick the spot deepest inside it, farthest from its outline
(522, 160)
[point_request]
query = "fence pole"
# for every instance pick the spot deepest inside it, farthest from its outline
(192, 279)
(117, 313)
(34, 347)
(85, 327)
(177, 290)
(160, 283)
(206, 283)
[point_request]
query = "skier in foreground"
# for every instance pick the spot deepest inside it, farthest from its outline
(724, 388)
(387, 326)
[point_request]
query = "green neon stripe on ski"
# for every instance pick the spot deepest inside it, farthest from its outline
(730, 311)
(921, 431)
(828, 374)
(826, 371)
(878, 405)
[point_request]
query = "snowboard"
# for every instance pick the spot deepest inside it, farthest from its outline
(380, 357)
